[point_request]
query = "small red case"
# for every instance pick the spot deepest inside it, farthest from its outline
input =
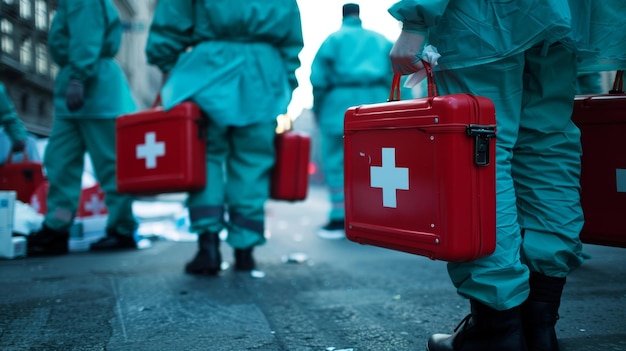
(24, 177)
(161, 151)
(290, 176)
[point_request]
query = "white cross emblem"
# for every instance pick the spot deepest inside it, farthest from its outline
(620, 180)
(94, 205)
(150, 150)
(389, 177)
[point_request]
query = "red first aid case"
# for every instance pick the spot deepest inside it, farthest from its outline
(420, 175)
(38, 199)
(161, 151)
(23, 177)
(602, 122)
(290, 176)
(91, 201)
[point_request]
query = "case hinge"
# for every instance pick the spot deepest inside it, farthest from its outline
(482, 137)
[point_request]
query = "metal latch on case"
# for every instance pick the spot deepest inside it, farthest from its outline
(482, 136)
(203, 123)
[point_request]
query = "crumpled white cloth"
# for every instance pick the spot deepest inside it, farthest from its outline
(430, 55)
(25, 219)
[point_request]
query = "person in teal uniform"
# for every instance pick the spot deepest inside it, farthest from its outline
(13, 126)
(90, 92)
(351, 67)
(236, 60)
(523, 55)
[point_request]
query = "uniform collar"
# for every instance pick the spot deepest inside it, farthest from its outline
(352, 21)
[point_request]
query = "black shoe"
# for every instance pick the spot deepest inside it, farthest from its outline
(539, 320)
(208, 259)
(485, 329)
(47, 242)
(244, 260)
(333, 230)
(114, 241)
(540, 312)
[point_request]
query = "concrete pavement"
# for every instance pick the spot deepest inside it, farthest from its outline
(316, 295)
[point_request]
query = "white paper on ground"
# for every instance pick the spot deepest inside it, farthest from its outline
(25, 219)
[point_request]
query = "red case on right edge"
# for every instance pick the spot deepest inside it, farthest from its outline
(602, 123)
(420, 176)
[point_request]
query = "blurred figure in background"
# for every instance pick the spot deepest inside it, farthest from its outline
(13, 128)
(236, 60)
(91, 91)
(350, 68)
(530, 73)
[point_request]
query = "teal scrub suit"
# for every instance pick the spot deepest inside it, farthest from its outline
(590, 83)
(83, 40)
(13, 126)
(350, 68)
(237, 60)
(527, 65)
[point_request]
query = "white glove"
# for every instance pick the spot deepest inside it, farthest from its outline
(406, 53)
(430, 55)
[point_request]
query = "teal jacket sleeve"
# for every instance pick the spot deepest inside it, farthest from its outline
(291, 46)
(86, 22)
(168, 39)
(8, 118)
(418, 15)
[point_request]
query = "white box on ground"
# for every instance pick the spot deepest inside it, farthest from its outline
(10, 246)
(18, 247)
(86, 230)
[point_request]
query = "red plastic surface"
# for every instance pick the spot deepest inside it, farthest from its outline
(175, 161)
(602, 121)
(38, 198)
(445, 207)
(290, 178)
(91, 201)
(23, 177)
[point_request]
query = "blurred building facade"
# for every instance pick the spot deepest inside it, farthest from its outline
(25, 65)
(27, 70)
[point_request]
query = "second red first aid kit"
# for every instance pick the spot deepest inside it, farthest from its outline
(420, 175)
(602, 122)
(91, 201)
(161, 151)
(290, 176)
(23, 177)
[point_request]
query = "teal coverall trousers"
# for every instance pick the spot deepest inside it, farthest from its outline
(239, 162)
(64, 161)
(538, 151)
(331, 145)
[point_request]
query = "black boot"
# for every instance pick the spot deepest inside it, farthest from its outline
(485, 329)
(114, 241)
(208, 258)
(540, 312)
(244, 260)
(47, 241)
